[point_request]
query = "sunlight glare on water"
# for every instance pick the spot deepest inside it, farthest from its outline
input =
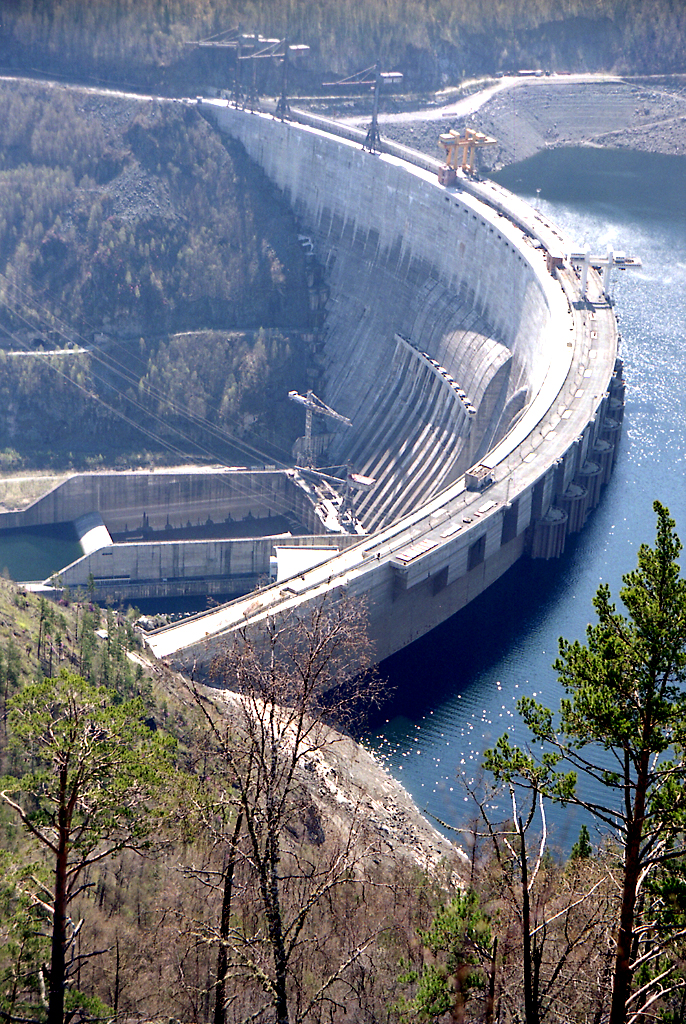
(457, 688)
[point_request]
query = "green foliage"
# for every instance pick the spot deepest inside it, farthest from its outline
(96, 772)
(623, 724)
(92, 755)
(461, 943)
(23, 941)
(143, 41)
(582, 848)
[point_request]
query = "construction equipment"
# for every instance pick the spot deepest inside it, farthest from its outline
(283, 109)
(262, 49)
(313, 405)
(460, 151)
(586, 260)
(355, 483)
(372, 141)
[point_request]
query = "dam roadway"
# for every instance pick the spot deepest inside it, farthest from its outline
(430, 288)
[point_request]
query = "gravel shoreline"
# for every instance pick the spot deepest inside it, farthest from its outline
(550, 113)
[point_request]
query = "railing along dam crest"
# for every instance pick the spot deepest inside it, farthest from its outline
(455, 336)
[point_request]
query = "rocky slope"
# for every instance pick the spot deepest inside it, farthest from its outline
(526, 116)
(346, 789)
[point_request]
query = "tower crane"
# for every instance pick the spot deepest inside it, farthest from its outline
(313, 404)
(372, 140)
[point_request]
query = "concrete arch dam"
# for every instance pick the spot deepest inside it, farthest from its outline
(455, 337)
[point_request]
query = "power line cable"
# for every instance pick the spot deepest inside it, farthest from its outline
(110, 361)
(275, 502)
(113, 365)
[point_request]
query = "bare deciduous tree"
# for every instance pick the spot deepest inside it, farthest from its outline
(285, 684)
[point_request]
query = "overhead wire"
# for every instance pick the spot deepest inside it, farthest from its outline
(274, 501)
(113, 366)
(109, 361)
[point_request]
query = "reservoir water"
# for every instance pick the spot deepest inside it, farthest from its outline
(37, 552)
(456, 689)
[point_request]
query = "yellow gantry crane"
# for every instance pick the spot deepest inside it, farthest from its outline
(460, 150)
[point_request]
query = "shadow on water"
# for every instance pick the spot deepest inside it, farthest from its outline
(603, 178)
(36, 552)
(475, 640)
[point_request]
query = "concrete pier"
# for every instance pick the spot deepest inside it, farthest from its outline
(454, 334)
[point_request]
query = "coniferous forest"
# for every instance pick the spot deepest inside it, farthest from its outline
(434, 44)
(160, 267)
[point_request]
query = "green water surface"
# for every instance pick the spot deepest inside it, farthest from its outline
(38, 552)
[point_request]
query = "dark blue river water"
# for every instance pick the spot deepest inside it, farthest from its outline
(457, 688)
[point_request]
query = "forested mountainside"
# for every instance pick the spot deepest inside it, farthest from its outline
(434, 42)
(222, 854)
(132, 231)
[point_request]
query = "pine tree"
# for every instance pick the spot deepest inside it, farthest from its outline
(89, 794)
(618, 749)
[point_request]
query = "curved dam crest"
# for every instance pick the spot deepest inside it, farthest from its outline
(454, 336)
(484, 391)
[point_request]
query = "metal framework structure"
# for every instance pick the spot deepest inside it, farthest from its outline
(372, 140)
(313, 405)
(460, 151)
(262, 49)
(605, 263)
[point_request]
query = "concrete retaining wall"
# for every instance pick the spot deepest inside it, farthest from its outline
(164, 497)
(127, 572)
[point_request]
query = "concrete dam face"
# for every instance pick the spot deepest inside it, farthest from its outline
(478, 368)
(437, 327)
(483, 387)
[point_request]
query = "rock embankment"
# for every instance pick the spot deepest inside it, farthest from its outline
(527, 116)
(349, 786)
(342, 791)
(346, 794)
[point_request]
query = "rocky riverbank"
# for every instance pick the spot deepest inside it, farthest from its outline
(350, 791)
(528, 115)
(345, 791)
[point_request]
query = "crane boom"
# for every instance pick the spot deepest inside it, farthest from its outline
(312, 405)
(315, 404)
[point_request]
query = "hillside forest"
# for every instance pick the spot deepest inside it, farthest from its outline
(162, 269)
(433, 42)
(177, 852)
